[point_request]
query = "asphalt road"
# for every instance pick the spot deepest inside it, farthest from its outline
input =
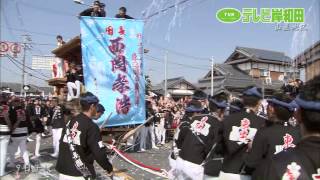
(43, 168)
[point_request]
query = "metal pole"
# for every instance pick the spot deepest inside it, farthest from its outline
(263, 89)
(212, 64)
(23, 68)
(1, 72)
(1, 4)
(165, 73)
(26, 38)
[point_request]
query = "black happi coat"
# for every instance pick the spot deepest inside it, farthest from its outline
(213, 164)
(25, 123)
(235, 150)
(74, 76)
(269, 141)
(184, 127)
(198, 139)
(57, 118)
(4, 126)
(125, 16)
(300, 163)
(35, 117)
(48, 114)
(90, 12)
(89, 147)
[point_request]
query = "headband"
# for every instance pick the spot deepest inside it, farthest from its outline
(253, 92)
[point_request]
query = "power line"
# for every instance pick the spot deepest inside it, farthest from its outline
(47, 10)
(9, 70)
(6, 19)
(43, 44)
(26, 71)
(166, 9)
(34, 43)
(27, 66)
(19, 14)
(172, 6)
(179, 53)
(179, 64)
(31, 32)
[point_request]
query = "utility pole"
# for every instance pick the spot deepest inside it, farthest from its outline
(1, 5)
(212, 64)
(165, 73)
(1, 72)
(263, 89)
(26, 40)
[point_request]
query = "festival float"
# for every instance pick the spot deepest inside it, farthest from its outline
(109, 54)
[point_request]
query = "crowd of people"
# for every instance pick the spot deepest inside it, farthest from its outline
(247, 144)
(292, 87)
(163, 114)
(22, 117)
(231, 138)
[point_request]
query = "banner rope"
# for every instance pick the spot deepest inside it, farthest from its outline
(153, 170)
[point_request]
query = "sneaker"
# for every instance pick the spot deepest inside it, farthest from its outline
(142, 150)
(35, 156)
(30, 140)
(54, 155)
(155, 147)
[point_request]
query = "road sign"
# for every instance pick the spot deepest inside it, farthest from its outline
(9, 48)
(4, 47)
(15, 48)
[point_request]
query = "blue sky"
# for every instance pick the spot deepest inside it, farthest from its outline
(192, 41)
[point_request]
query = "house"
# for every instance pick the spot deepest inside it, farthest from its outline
(15, 88)
(176, 87)
(308, 62)
(261, 64)
(232, 80)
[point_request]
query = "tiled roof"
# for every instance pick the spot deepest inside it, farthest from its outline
(16, 87)
(233, 77)
(265, 54)
(170, 83)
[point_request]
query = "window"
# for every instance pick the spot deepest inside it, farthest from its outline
(245, 66)
(264, 73)
(254, 65)
(281, 68)
(242, 66)
(272, 67)
(263, 66)
(248, 65)
(184, 86)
